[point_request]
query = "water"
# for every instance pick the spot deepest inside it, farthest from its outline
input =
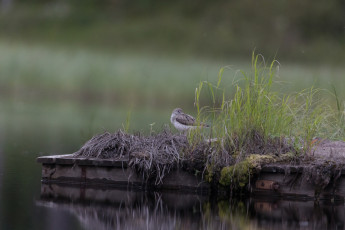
(31, 130)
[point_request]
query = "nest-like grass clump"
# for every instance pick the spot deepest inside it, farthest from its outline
(151, 156)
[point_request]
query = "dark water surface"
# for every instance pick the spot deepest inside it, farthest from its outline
(27, 204)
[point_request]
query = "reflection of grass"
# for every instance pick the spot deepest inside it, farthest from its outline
(41, 72)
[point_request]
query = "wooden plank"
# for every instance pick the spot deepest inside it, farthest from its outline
(293, 186)
(52, 159)
(290, 186)
(83, 172)
(66, 169)
(69, 159)
(102, 162)
(119, 177)
(279, 168)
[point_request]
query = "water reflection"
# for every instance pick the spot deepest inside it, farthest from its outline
(298, 215)
(121, 209)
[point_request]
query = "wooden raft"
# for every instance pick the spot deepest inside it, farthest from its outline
(287, 182)
(272, 182)
(66, 169)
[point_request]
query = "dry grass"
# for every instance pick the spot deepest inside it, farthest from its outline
(154, 156)
(151, 156)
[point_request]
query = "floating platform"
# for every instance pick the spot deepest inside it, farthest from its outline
(287, 182)
(100, 173)
(273, 180)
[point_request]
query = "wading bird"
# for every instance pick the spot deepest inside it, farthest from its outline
(184, 122)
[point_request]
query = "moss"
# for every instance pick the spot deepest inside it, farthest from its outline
(286, 157)
(256, 160)
(235, 174)
(209, 173)
(238, 175)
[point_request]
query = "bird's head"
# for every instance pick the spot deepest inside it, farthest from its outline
(177, 111)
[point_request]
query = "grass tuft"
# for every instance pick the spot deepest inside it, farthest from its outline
(254, 107)
(255, 120)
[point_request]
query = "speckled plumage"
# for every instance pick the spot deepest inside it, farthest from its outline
(183, 121)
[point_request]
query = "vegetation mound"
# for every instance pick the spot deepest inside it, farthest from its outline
(253, 127)
(154, 156)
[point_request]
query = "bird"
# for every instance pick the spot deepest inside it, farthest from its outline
(184, 122)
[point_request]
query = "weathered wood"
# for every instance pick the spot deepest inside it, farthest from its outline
(293, 186)
(278, 168)
(69, 159)
(280, 181)
(64, 169)
(290, 186)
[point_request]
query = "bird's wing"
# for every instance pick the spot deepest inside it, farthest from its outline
(185, 119)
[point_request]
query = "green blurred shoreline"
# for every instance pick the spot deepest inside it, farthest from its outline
(45, 73)
(293, 31)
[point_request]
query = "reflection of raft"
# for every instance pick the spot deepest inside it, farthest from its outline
(122, 209)
(283, 214)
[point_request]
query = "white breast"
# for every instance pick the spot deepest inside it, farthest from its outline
(181, 127)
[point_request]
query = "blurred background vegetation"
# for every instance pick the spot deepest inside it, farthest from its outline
(290, 30)
(147, 56)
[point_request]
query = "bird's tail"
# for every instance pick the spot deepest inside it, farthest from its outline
(204, 125)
